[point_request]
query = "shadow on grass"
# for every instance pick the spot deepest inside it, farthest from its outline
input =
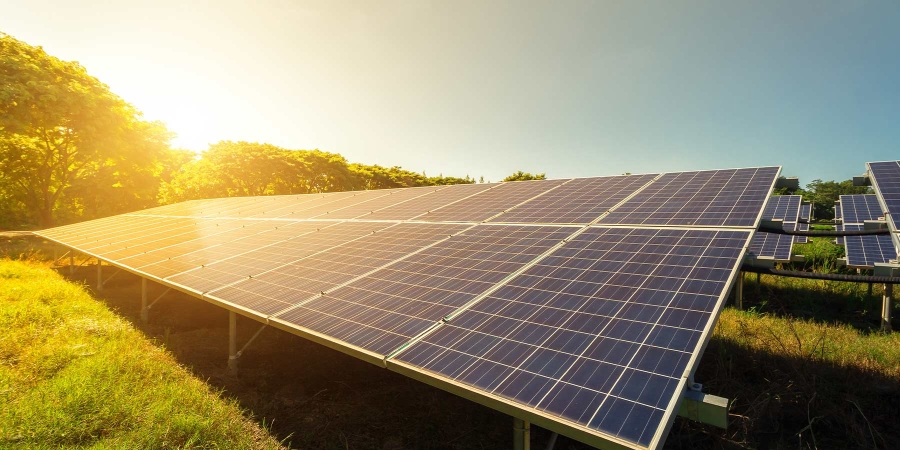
(782, 401)
(817, 300)
(313, 397)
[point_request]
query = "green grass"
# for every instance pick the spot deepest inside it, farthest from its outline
(75, 375)
(806, 365)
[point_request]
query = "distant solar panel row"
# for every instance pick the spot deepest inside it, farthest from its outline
(592, 326)
(863, 251)
(786, 208)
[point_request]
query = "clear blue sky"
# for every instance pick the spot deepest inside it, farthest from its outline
(489, 87)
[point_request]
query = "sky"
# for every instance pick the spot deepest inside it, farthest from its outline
(485, 88)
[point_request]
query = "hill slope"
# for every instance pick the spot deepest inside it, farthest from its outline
(73, 374)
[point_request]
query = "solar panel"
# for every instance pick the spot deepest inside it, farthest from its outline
(384, 310)
(783, 207)
(886, 179)
(860, 208)
(592, 328)
(581, 200)
(773, 245)
(732, 197)
(601, 334)
(865, 251)
(805, 212)
(488, 204)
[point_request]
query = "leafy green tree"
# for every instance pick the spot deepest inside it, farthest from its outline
(61, 128)
(525, 176)
(823, 194)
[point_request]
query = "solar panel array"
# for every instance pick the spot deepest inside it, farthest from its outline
(583, 304)
(864, 251)
(803, 225)
(773, 245)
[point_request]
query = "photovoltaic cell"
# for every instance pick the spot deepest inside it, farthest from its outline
(181, 257)
(600, 334)
(865, 251)
(384, 310)
(732, 197)
(860, 208)
(395, 197)
(581, 200)
(423, 205)
(256, 262)
(490, 203)
(289, 285)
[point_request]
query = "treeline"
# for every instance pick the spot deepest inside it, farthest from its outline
(243, 168)
(823, 194)
(72, 150)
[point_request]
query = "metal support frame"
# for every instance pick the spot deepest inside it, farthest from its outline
(232, 343)
(103, 282)
(99, 275)
(72, 262)
(704, 408)
(886, 305)
(233, 353)
(869, 294)
(144, 309)
(739, 291)
(521, 434)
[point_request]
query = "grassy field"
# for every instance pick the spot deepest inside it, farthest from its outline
(805, 366)
(75, 375)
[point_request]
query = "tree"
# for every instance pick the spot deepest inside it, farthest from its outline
(823, 194)
(525, 176)
(60, 127)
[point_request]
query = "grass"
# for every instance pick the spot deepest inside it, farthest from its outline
(75, 375)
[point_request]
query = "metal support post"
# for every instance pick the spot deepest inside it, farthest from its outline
(144, 311)
(739, 291)
(99, 275)
(232, 343)
(72, 262)
(757, 277)
(886, 308)
(521, 434)
(869, 295)
(55, 254)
